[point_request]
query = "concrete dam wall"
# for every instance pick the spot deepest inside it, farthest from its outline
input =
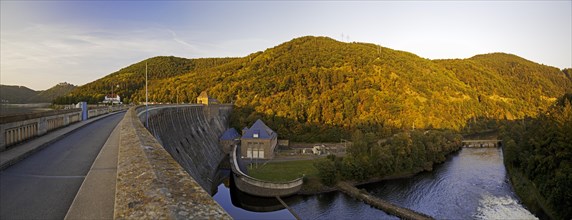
(190, 133)
(150, 184)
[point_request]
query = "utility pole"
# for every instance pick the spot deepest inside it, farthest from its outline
(112, 95)
(146, 99)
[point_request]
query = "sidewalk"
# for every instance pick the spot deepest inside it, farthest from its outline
(95, 198)
(21, 151)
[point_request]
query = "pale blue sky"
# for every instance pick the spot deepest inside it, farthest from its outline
(46, 42)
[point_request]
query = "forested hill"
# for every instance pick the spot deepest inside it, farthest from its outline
(324, 88)
(50, 94)
(131, 79)
(22, 94)
(15, 94)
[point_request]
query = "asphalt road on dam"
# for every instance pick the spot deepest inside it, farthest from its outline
(44, 185)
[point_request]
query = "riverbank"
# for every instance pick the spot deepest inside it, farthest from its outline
(291, 169)
(528, 194)
(313, 186)
(288, 170)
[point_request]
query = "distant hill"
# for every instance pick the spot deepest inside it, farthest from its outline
(22, 94)
(49, 95)
(16, 94)
(317, 88)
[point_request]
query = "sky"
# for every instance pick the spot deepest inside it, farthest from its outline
(47, 42)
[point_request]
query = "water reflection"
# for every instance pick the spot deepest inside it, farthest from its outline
(470, 184)
(240, 205)
(456, 188)
(336, 205)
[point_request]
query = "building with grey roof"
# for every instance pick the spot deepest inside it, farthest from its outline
(228, 139)
(258, 141)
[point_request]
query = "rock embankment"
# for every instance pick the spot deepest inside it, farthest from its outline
(385, 206)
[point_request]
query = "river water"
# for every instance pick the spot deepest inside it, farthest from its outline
(14, 109)
(471, 184)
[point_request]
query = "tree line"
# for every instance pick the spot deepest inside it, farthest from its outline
(538, 156)
(407, 152)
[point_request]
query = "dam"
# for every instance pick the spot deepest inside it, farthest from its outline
(190, 134)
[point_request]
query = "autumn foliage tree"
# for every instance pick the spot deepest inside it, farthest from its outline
(319, 89)
(540, 151)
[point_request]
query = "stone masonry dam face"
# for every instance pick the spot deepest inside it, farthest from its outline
(190, 133)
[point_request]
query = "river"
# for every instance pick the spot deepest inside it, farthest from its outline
(471, 184)
(15, 109)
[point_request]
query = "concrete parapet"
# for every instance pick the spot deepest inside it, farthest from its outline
(97, 111)
(18, 128)
(151, 184)
(261, 188)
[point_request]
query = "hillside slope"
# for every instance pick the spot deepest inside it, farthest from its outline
(131, 79)
(22, 94)
(61, 89)
(324, 88)
(316, 88)
(537, 153)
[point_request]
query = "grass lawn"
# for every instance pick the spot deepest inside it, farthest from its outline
(283, 171)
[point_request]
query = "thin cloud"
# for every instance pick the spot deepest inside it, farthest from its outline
(52, 53)
(178, 40)
(44, 43)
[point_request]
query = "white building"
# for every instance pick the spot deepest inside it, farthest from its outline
(112, 99)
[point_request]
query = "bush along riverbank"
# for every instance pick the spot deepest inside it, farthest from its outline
(538, 157)
(402, 155)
